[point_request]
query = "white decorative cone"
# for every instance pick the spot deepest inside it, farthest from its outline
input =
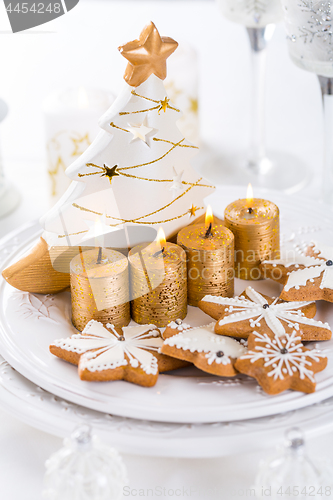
(154, 184)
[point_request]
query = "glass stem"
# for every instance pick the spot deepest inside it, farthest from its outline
(326, 85)
(259, 38)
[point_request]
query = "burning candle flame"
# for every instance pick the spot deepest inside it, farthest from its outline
(161, 237)
(82, 98)
(249, 196)
(209, 218)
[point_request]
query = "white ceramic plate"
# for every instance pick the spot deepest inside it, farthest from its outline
(44, 411)
(30, 323)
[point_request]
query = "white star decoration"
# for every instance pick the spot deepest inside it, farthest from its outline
(314, 267)
(177, 185)
(285, 356)
(103, 349)
(140, 131)
(255, 308)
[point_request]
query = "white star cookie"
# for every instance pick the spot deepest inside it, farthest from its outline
(109, 353)
(209, 352)
(281, 363)
(239, 316)
(307, 274)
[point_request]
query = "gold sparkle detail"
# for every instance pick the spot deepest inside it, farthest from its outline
(161, 105)
(194, 106)
(106, 171)
(54, 172)
(193, 210)
(79, 146)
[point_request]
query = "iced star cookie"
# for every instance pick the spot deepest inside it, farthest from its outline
(281, 363)
(306, 275)
(129, 353)
(239, 316)
(209, 352)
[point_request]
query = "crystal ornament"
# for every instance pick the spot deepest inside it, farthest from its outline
(84, 469)
(292, 473)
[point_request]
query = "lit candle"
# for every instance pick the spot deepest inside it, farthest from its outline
(256, 227)
(158, 282)
(210, 259)
(100, 288)
(71, 123)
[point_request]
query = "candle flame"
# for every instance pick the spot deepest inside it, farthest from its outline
(161, 237)
(249, 196)
(82, 98)
(209, 218)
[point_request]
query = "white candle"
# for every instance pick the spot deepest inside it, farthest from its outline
(71, 124)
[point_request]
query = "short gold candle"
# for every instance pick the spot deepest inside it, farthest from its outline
(100, 291)
(210, 261)
(256, 228)
(158, 283)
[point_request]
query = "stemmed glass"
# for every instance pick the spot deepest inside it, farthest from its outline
(274, 169)
(310, 43)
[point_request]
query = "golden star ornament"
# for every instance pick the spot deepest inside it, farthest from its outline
(147, 55)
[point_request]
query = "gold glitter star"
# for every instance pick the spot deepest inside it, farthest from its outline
(193, 105)
(80, 145)
(164, 104)
(147, 55)
(192, 210)
(110, 172)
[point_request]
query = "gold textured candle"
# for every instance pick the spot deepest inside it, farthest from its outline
(158, 283)
(100, 291)
(256, 227)
(210, 260)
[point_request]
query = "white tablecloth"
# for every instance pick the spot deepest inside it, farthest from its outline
(81, 48)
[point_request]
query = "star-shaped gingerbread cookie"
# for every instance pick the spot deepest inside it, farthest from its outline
(281, 363)
(239, 316)
(307, 274)
(209, 352)
(109, 353)
(147, 55)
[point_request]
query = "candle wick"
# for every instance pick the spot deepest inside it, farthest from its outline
(250, 210)
(209, 231)
(156, 254)
(99, 257)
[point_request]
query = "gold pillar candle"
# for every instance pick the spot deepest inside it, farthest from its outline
(100, 291)
(256, 227)
(210, 260)
(158, 283)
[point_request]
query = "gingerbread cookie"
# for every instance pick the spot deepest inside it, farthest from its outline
(306, 275)
(209, 352)
(129, 353)
(281, 363)
(239, 316)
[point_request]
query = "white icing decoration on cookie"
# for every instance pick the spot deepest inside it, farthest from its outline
(274, 355)
(102, 350)
(253, 310)
(314, 268)
(219, 349)
(180, 327)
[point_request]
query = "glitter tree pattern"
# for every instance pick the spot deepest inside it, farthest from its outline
(137, 170)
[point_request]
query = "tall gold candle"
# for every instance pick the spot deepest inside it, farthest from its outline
(256, 227)
(100, 288)
(210, 260)
(158, 283)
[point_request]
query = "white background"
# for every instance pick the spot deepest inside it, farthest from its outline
(81, 49)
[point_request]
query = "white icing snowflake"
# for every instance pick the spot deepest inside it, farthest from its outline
(256, 308)
(218, 349)
(103, 349)
(285, 356)
(314, 267)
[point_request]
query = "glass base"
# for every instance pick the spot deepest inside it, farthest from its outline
(279, 171)
(9, 199)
